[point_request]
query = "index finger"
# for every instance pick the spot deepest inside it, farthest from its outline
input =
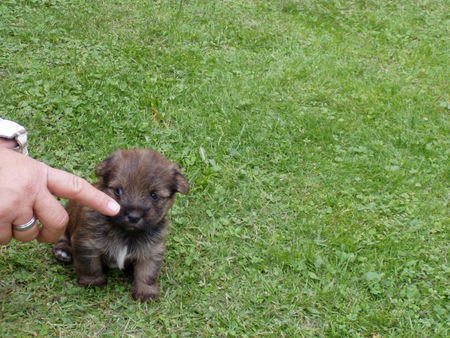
(66, 185)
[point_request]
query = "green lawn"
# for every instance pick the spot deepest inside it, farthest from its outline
(314, 134)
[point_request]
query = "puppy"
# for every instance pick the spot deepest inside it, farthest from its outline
(144, 183)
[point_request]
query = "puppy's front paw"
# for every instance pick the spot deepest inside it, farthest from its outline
(62, 255)
(92, 281)
(145, 292)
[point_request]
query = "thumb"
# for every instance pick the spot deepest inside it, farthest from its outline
(54, 222)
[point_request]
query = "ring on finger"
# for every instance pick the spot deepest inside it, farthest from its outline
(26, 226)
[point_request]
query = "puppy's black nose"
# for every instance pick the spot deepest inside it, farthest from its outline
(134, 216)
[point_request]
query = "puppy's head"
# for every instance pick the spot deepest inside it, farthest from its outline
(144, 183)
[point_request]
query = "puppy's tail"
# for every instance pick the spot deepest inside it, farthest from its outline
(63, 250)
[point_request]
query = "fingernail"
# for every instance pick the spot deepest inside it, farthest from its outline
(113, 206)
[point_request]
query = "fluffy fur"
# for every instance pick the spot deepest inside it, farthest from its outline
(144, 183)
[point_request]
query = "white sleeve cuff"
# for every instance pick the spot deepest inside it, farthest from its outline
(14, 131)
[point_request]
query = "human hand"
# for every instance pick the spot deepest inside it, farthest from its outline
(26, 189)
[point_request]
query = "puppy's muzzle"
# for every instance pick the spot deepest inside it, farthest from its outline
(131, 218)
(134, 216)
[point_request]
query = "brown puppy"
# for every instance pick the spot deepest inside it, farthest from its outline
(144, 183)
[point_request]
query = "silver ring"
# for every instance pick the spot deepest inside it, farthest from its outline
(26, 226)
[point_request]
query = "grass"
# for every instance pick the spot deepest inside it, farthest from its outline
(314, 135)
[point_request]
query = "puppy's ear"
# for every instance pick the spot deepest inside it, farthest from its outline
(181, 185)
(103, 170)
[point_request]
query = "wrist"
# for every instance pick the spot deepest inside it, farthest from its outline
(8, 144)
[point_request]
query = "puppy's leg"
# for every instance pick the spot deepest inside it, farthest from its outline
(146, 273)
(62, 249)
(89, 267)
(145, 276)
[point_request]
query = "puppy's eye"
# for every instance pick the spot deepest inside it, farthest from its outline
(118, 191)
(154, 196)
